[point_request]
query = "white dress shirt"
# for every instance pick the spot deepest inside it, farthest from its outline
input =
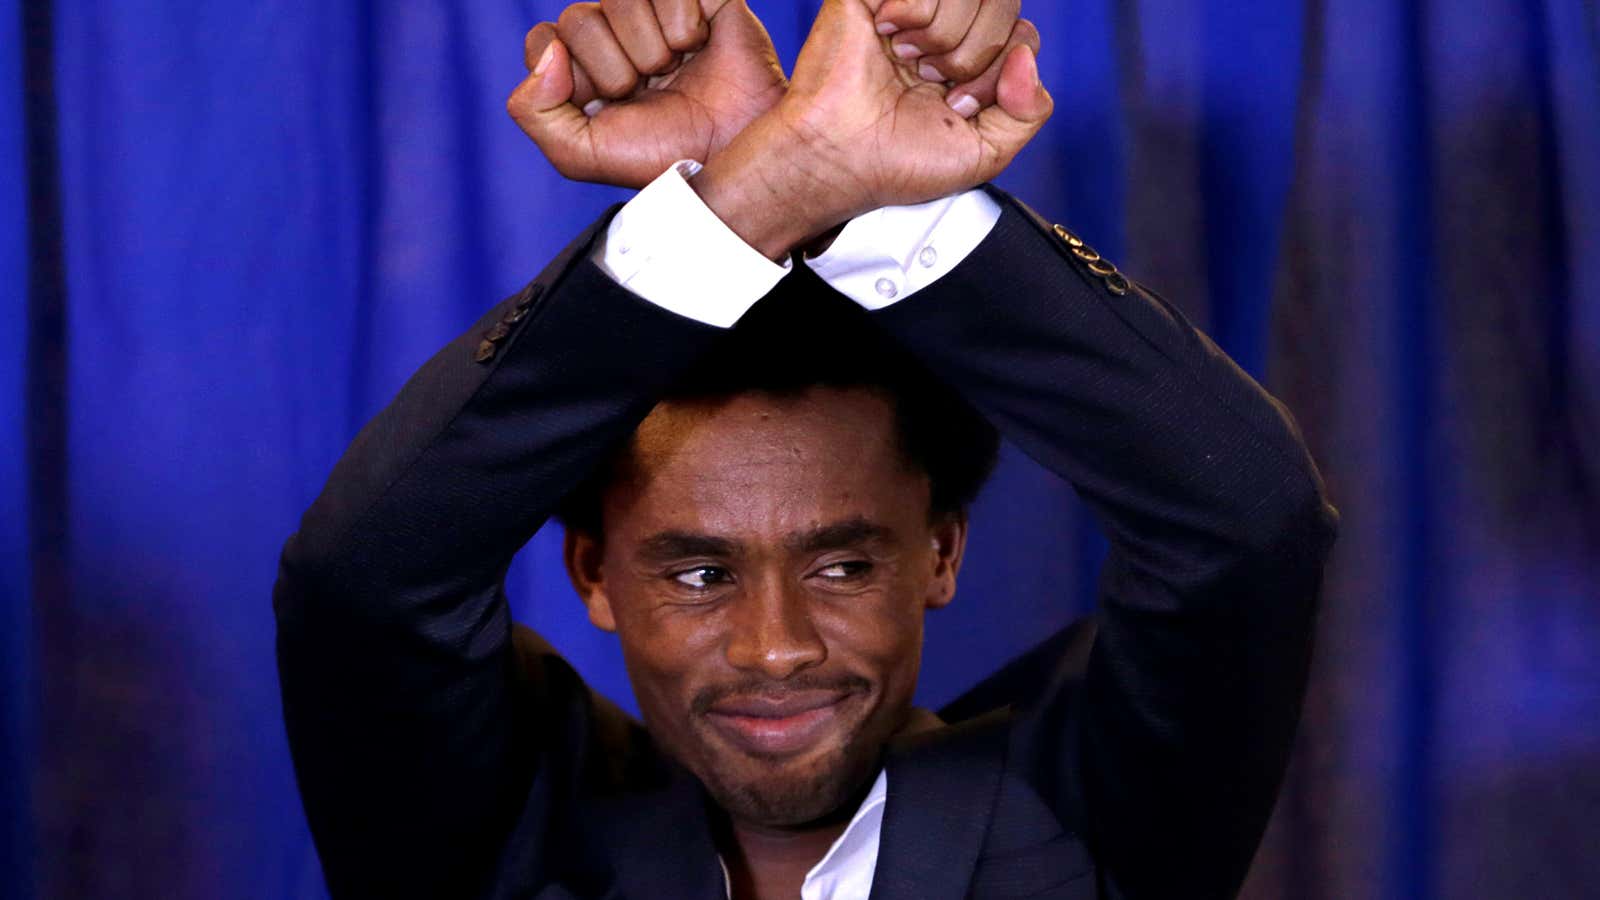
(669, 248)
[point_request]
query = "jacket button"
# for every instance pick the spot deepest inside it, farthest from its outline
(498, 332)
(516, 315)
(485, 352)
(1117, 284)
(1085, 253)
(1102, 268)
(527, 299)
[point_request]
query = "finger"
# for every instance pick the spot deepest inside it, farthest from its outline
(534, 42)
(583, 29)
(984, 45)
(682, 25)
(538, 38)
(950, 24)
(542, 107)
(634, 24)
(968, 97)
(1021, 109)
(896, 16)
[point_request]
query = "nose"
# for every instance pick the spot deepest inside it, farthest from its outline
(773, 634)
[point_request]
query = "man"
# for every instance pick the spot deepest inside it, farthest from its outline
(764, 514)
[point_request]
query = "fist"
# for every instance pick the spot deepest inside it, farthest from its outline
(892, 103)
(619, 90)
(871, 96)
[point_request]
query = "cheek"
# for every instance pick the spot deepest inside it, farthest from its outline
(881, 636)
(668, 657)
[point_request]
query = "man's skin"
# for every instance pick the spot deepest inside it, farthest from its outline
(766, 562)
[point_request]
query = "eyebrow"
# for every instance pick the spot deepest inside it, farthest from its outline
(833, 536)
(670, 545)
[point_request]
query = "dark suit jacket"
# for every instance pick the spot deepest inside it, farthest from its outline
(443, 753)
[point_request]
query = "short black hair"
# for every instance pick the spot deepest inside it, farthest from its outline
(805, 334)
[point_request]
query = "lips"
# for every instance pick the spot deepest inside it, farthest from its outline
(778, 724)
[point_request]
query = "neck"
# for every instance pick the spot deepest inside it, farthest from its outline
(771, 863)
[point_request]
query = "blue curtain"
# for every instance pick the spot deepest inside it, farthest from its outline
(231, 230)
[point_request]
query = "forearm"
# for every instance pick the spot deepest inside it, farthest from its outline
(1191, 466)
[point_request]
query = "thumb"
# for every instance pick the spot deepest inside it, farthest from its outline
(542, 107)
(1023, 104)
(1021, 95)
(732, 23)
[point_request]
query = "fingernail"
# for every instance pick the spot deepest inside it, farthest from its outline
(887, 28)
(593, 107)
(906, 51)
(544, 58)
(929, 73)
(965, 105)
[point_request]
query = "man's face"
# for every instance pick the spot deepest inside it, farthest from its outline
(766, 563)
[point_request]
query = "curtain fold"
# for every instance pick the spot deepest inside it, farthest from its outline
(271, 213)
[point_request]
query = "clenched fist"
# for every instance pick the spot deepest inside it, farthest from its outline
(619, 90)
(863, 125)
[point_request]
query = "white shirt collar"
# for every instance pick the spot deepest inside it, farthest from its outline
(845, 871)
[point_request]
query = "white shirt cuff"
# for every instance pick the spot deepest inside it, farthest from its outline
(885, 256)
(669, 248)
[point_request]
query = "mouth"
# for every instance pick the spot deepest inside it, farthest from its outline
(779, 725)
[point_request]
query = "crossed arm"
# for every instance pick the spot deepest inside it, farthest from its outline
(416, 733)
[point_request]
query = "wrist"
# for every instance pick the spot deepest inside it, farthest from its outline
(765, 187)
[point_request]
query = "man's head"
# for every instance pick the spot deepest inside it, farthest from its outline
(766, 545)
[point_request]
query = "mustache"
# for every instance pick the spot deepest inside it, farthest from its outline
(707, 697)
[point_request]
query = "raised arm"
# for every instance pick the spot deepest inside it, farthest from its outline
(416, 725)
(409, 723)
(1168, 755)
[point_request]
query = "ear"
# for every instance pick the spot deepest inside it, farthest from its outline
(584, 553)
(949, 543)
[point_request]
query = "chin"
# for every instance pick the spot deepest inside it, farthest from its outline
(777, 795)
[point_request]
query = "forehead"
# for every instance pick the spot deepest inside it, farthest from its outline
(758, 462)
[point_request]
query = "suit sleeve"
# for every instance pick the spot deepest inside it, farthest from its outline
(1168, 754)
(395, 656)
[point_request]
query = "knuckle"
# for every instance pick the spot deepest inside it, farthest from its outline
(960, 69)
(617, 85)
(659, 62)
(577, 20)
(939, 39)
(1026, 33)
(683, 29)
(918, 14)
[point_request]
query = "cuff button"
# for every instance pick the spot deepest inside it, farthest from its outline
(1086, 253)
(498, 332)
(1117, 284)
(485, 352)
(1102, 268)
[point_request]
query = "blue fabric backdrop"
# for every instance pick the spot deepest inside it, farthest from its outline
(231, 230)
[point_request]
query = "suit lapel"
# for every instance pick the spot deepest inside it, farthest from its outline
(942, 790)
(661, 842)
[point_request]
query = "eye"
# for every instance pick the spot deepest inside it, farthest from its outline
(844, 571)
(702, 577)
